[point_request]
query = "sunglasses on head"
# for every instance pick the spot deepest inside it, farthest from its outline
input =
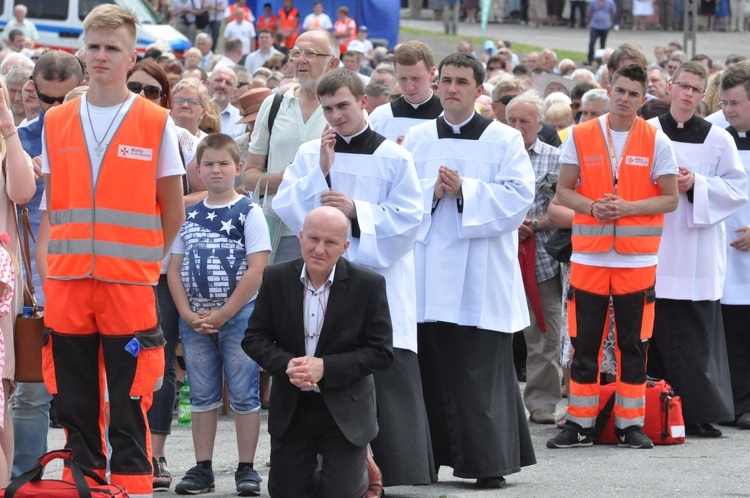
(149, 91)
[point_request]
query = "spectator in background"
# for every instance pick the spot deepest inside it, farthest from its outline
(193, 57)
(19, 21)
(14, 81)
(289, 23)
(451, 14)
(658, 78)
(737, 16)
(204, 43)
(384, 73)
(353, 61)
(222, 86)
(600, 13)
(549, 60)
(267, 20)
(216, 10)
(240, 5)
(367, 44)
(580, 6)
(344, 29)
(243, 83)
(241, 29)
(196, 73)
(183, 12)
(594, 103)
(378, 93)
(317, 19)
(265, 50)
(189, 103)
(576, 95)
(674, 61)
(559, 116)
(232, 53)
(16, 40)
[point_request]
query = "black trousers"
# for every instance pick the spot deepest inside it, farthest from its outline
(594, 34)
(294, 457)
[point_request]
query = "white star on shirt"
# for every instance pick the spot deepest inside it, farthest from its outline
(192, 215)
(226, 225)
(211, 216)
(242, 217)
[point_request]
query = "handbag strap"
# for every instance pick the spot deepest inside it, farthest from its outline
(603, 417)
(77, 471)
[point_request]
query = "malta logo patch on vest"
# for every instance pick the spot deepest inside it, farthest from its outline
(636, 161)
(133, 152)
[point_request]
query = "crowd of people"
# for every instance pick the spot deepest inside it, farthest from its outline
(334, 219)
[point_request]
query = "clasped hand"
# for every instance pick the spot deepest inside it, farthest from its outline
(611, 207)
(305, 371)
(448, 181)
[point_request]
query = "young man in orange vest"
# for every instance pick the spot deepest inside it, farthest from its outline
(619, 175)
(112, 173)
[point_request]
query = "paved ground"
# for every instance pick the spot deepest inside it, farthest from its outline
(718, 467)
(715, 45)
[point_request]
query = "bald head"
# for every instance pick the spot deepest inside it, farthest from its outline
(324, 238)
(328, 216)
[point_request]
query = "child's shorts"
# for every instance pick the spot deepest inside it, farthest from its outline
(211, 358)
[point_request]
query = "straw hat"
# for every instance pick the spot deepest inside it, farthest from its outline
(250, 102)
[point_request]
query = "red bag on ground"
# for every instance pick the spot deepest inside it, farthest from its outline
(664, 423)
(30, 483)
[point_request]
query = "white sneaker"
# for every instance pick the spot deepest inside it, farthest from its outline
(617, 27)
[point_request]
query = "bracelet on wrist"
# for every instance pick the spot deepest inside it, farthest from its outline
(6, 136)
(592, 208)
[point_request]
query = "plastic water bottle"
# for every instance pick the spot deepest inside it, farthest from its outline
(184, 414)
(28, 311)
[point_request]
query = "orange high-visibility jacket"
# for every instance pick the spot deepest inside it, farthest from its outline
(110, 231)
(287, 20)
(630, 234)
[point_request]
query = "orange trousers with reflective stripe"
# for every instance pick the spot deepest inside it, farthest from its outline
(90, 324)
(632, 293)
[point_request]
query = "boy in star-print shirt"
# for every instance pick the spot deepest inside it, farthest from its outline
(216, 268)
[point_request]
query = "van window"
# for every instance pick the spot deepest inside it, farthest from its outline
(44, 9)
(139, 7)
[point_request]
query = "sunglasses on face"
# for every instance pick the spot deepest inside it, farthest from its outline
(506, 99)
(242, 83)
(149, 91)
(49, 100)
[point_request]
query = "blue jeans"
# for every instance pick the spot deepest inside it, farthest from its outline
(212, 358)
(30, 423)
(160, 413)
(601, 34)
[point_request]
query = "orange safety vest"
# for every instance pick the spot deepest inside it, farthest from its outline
(288, 21)
(110, 231)
(631, 234)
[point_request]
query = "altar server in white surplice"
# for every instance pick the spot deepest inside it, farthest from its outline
(478, 185)
(688, 347)
(735, 303)
(415, 68)
(373, 182)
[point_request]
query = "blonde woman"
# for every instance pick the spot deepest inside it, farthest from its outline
(17, 186)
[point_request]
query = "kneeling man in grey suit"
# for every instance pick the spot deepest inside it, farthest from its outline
(321, 327)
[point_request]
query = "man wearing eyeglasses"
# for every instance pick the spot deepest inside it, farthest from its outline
(735, 303)
(688, 347)
(256, 59)
(299, 119)
(54, 75)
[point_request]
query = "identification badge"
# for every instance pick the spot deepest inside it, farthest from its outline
(636, 161)
(133, 152)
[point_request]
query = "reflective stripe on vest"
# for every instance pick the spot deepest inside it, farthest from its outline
(630, 234)
(111, 231)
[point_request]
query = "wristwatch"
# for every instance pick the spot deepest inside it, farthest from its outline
(535, 223)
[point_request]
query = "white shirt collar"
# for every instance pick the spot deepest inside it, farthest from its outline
(417, 105)
(305, 281)
(349, 138)
(457, 127)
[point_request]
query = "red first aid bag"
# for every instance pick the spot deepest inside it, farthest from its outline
(30, 483)
(664, 423)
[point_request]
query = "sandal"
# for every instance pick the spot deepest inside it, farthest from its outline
(162, 476)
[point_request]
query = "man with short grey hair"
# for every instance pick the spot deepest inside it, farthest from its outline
(594, 103)
(378, 93)
(222, 86)
(17, 77)
(542, 393)
(658, 77)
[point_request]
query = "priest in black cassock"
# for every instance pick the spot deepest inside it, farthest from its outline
(477, 184)
(688, 346)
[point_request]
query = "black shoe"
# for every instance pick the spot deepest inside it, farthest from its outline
(635, 438)
(570, 437)
(197, 480)
(744, 421)
(702, 430)
(491, 482)
(247, 481)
